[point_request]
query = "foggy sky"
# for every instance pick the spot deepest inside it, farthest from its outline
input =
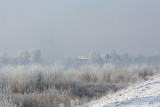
(74, 27)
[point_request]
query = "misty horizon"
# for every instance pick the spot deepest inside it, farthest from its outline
(73, 28)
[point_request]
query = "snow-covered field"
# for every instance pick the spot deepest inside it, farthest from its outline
(145, 94)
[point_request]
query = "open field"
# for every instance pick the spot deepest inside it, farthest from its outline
(54, 86)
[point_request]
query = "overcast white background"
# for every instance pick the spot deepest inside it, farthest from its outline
(74, 27)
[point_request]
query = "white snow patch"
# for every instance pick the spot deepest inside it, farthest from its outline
(145, 94)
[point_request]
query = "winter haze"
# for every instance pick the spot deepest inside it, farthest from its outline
(73, 27)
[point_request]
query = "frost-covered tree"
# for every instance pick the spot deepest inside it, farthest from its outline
(4, 59)
(94, 57)
(35, 56)
(22, 57)
(139, 59)
(114, 56)
(125, 57)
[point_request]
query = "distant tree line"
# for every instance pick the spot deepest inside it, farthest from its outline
(33, 56)
(22, 58)
(112, 57)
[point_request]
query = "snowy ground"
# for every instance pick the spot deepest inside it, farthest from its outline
(143, 94)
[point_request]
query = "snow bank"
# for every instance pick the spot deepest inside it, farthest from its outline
(141, 95)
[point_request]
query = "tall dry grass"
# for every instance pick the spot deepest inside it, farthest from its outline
(53, 86)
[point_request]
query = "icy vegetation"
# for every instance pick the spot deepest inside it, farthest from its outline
(38, 85)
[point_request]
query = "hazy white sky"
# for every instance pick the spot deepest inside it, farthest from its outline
(74, 27)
